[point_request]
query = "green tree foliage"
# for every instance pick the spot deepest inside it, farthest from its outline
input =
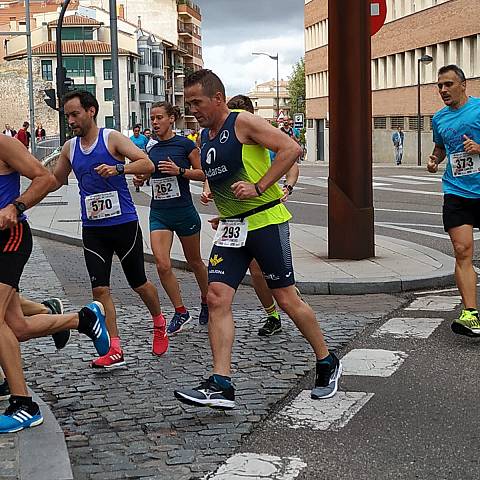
(296, 87)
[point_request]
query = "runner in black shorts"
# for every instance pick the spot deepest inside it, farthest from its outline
(244, 186)
(15, 249)
(109, 218)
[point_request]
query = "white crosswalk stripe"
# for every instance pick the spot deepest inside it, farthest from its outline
(372, 362)
(435, 303)
(253, 466)
(408, 327)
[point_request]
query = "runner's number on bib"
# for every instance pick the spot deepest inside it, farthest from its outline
(102, 205)
(231, 233)
(165, 188)
(464, 164)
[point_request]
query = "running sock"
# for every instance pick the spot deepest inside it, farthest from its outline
(115, 343)
(271, 311)
(159, 321)
(20, 400)
(222, 381)
(85, 319)
(328, 359)
(181, 310)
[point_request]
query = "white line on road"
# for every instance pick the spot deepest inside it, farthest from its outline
(423, 178)
(329, 414)
(406, 190)
(372, 363)
(408, 327)
(436, 303)
(253, 466)
(400, 180)
(412, 230)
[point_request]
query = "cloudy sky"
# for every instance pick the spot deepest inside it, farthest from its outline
(233, 29)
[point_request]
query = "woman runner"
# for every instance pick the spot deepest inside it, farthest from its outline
(177, 161)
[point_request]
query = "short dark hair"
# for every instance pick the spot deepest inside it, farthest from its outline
(26, 124)
(137, 126)
(210, 82)
(453, 68)
(87, 100)
(172, 110)
(241, 102)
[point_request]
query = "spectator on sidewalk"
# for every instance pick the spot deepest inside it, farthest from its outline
(23, 135)
(40, 133)
(398, 138)
(139, 139)
(8, 131)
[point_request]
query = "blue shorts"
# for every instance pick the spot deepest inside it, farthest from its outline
(269, 246)
(184, 221)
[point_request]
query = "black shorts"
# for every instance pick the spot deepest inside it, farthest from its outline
(15, 249)
(458, 211)
(126, 241)
(269, 246)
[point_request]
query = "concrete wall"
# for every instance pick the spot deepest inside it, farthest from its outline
(14, 108)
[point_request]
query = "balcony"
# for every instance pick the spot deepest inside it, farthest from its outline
(185, 28)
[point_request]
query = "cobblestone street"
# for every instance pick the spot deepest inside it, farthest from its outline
(126, 423)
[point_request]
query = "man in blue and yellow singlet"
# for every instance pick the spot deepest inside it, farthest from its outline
(456, 134)
(253, 225)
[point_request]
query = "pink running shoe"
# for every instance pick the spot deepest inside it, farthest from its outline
(160, 339)
(113, 359)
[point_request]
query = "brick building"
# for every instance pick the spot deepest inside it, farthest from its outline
(413, 28)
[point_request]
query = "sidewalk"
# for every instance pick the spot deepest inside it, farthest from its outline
(398, 265)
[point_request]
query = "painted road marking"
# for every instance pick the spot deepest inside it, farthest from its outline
(423, 178)
(253, 466)
(408, 327)
(436, 303)
(372, 363)
(330, 414)
(396, 226)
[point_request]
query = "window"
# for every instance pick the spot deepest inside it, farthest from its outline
(380, 123)
(107, 69)
(397, 122)
(143, 56)
(132, 64)
(155, 86)
(108, 94)
(310, 123)
(413, 123)
(47, 73)
(90, 87)
(133, 93)
(142, 83)
(134, 119)
(77, 33)
(109, 122)
(75, 66)
(156, 60)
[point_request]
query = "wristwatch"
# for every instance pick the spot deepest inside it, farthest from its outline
(120, 167)
(181, 172)
(288, 187)
(20, 206)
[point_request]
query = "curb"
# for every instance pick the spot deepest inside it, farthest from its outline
(42, 451)
(443, 277)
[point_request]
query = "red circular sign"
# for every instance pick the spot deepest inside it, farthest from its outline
(378, 14)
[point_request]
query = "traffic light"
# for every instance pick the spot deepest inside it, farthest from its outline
(68, 85)
(50, 98)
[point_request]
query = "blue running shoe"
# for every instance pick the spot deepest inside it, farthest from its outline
(18, 416)
(97, 329)
(177, 323)
(203, 317)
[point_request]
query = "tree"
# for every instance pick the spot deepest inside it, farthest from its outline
(296, 87)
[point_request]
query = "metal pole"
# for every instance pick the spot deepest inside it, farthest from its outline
(115, 69)
(84, 60)
(350, 195)
(419, 118)
(278, 91)
(59, 72)
(30, 75)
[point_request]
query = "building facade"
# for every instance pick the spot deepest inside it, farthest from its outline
(413, 28)
(264, 99)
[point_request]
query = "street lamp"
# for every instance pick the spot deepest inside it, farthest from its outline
(423, 59)
(273, 57)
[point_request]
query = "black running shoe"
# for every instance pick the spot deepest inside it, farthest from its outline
(208, 394)
(4, 390)
(60, 339)
(272, 326)
(326, 378)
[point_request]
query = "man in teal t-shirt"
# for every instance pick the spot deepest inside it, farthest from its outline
(456, 134)
(138, 138)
